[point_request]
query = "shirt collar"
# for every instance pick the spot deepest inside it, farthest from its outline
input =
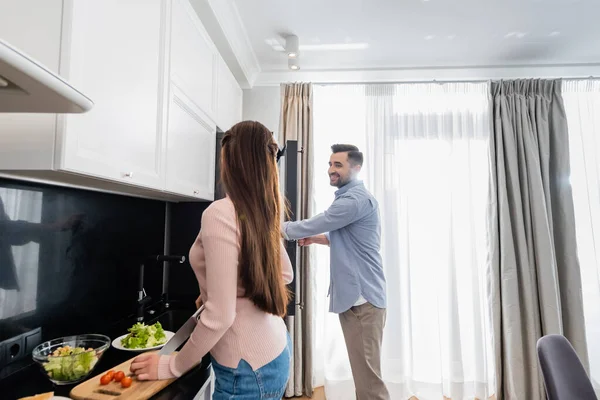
(348, 186)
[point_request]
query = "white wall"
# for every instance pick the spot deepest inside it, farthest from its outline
(262, 104)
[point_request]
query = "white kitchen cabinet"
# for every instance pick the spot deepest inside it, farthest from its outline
(229, 98)
(94, 45)
(33, 26)
(191, 142)
(193, 58)
(159, 88)
(115, 54)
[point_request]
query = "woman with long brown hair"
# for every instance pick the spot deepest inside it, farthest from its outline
(242, 270)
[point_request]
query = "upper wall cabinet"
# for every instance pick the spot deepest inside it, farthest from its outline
(120, 66)
(17, 22)
(190, 154)
(193, 58)
(229, 98)
(159, 87)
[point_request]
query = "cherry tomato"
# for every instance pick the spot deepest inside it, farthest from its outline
(119, 375)
(105, 380)
(111, 373)
(126, 382)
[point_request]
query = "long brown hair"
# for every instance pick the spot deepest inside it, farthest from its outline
(250, 178)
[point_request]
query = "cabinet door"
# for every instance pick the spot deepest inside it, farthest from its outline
(193, 58)
(34, 27)
(191, 142)
(115, 54)
(229, 98)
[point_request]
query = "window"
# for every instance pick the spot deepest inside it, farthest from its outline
(426, 162)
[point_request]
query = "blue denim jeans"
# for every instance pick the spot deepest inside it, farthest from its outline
(242, 383)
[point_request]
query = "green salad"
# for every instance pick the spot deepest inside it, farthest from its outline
(142, 336)
(70, 363)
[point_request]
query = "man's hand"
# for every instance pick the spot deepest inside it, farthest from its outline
(319, 239)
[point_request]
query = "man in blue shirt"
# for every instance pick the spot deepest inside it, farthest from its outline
(352, 228)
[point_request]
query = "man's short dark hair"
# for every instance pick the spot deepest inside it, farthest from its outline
(355, 157)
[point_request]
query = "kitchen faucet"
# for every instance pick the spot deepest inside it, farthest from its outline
(143, 298)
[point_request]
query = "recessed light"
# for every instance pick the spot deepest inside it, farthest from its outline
(554, 34)
(429, 37)
(294, 67)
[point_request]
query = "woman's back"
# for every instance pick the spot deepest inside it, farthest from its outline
(254, 335)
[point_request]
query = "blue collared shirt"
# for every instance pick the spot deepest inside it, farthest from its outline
(353, 227)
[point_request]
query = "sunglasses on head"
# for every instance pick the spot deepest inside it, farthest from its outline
(280, 153)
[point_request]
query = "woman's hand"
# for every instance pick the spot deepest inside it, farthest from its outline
(145, 366)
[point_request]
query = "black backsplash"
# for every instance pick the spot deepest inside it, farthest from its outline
(185, 225)
(69, 259)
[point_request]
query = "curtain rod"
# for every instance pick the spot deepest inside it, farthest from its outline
(445, 81)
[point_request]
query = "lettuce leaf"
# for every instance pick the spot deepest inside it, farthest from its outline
(142, 336)
(71, 367)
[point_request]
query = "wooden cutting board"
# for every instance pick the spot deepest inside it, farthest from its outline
(139, 390)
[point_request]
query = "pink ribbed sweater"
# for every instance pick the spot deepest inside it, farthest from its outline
(231, 327)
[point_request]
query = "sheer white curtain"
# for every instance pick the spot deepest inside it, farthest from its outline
(582, 106)
(426, 161)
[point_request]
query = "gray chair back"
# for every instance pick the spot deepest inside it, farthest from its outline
(564, 375)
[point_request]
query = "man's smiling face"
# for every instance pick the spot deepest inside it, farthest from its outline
(341, 171)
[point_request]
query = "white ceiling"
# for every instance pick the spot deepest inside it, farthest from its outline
(425, 33)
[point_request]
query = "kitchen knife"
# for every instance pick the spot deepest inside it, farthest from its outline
(182, 334)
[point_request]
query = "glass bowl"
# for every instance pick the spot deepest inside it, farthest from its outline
(70, 359)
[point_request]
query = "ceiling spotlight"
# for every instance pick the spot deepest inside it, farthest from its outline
(293, 64)
(291, 46)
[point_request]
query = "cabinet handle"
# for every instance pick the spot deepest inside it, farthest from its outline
(127, 174)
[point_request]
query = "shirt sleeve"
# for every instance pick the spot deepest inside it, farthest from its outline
(341, 213)
(220, 241)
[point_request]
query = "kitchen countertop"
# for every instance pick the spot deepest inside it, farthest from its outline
(30, 380)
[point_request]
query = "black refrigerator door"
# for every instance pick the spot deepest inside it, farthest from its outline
(290, 176)
(288, 163)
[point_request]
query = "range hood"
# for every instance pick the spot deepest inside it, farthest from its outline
(29, 87)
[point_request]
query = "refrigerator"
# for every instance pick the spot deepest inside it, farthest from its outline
(290, 179)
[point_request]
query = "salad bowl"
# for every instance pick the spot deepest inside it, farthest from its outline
(70, 359)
